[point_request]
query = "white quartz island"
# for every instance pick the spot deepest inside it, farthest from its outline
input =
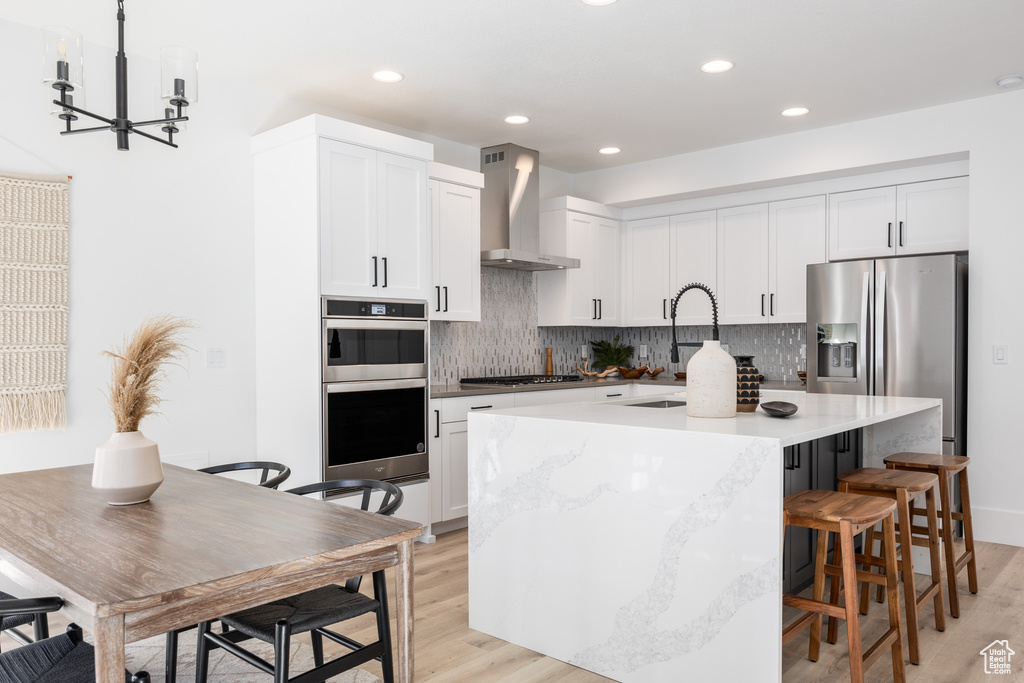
(644, 545)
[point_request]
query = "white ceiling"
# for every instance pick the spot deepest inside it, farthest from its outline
(625, 75)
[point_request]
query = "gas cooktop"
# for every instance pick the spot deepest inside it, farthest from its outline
(520, 380)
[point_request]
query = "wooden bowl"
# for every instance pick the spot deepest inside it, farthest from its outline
(681, 376)
(802, 374)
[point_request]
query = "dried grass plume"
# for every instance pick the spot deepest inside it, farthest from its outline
(138, 368)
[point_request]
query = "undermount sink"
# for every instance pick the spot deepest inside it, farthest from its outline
(664, 403)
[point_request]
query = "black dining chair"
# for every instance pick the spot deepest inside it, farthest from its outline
(9, 623)
(266, 481)
(266, 467)
(312, 611)
(66, 658)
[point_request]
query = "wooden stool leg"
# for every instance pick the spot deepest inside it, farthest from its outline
(835, 583)
(933, 554)
(899, 673)
(818, 593)
(869, 550)
(906, 562)
(850, 588)
(946, 501)
(965, 500)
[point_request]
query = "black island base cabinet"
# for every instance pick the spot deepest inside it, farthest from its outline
(813, 465)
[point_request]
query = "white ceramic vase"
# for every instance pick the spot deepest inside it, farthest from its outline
(711, 382)
(127, 469)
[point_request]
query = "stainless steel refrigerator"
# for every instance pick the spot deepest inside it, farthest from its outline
(892, 327)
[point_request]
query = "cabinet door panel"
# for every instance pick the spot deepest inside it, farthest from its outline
(860, 224)
(348, 219)
(455, 455)
(648, 281)
(797, 233)
(456, 236)
(402, 227)
(932, 216)
(694, 259)
(607, 278)
(743, 265)
(581, 243)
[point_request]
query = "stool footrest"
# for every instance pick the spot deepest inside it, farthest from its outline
(880, 646)
(794, 629)
(826, 608)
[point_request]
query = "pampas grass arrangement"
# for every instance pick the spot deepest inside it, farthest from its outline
(139, 368)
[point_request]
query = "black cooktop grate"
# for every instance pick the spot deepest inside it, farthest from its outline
(519, 380)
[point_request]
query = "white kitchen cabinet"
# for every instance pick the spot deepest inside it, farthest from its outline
(742, 290)
(373, 223)
(585, 296)
(796, 239)
(613, 392)
(455, 241)
(648, 276)
(552, 396)
(916, 218)
(693, 259)
(657, 389)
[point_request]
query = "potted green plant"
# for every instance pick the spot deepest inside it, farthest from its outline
(613, 353)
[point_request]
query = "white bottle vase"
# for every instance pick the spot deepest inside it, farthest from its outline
(127, 469)
(711, 382)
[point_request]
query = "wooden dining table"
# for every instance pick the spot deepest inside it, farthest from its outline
(203, 546)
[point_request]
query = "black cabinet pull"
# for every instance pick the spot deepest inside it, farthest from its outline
(374, 271)
(600, 309)
(593, 302)
(446, 299)
(799, 457)
(771, 304)
(438, 288)
(787, 458)
(437, 417)
(480, 407)
(901, 233)
(762, 305)
(890, 235)
(664, 314)
(385, 260)
(611, 395)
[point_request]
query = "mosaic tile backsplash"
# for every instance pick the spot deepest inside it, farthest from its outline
(507, 340)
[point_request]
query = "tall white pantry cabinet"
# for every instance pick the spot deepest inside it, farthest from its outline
(329, 196)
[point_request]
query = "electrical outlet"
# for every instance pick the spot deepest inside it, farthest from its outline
(643, 351)
(1000, 354)
(215, 357)
(584, 351)
(803, 352)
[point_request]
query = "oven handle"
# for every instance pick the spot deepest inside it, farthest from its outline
(371, 324)
(375, 385)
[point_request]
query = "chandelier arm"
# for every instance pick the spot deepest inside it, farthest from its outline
(157, 122)
(76, 131)
(83, 111)
(153, 137)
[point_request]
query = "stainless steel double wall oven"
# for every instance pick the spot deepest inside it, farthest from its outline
(375, 389)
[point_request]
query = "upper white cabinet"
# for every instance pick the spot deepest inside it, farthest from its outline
(693, 259)
(742, 286)
(648, 274)
(796, 239)
(373, 223)
(917, 218)
(588, 295)
(455, 240)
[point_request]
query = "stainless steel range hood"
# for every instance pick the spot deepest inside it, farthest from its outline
(510, 211)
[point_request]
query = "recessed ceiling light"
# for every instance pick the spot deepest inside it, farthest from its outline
(1010, 81)
(716, 66)
(795, 111)
(517, 119)
(598, 3)
(609, 150)
(388, 76)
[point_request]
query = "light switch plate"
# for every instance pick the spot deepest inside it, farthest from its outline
(583, 352)
(1000, 354)
(643, 351)
(215, 357)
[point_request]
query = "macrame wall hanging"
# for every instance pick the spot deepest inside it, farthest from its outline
(34, 213)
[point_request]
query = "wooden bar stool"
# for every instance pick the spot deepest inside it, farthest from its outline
(947, 467)
(902, 487)
(847, 515)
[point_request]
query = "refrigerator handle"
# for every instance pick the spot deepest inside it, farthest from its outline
(863, 360)
(879, 362)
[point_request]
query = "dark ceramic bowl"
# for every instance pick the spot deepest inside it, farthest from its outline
(778, 408)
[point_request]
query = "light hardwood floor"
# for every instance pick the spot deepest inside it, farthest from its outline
(448, 651)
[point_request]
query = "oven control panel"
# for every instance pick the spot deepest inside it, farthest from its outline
(379, 308)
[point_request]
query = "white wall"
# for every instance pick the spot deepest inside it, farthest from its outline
(989, 130)
(155, 230)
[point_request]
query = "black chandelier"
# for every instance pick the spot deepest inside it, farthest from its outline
(63, 68)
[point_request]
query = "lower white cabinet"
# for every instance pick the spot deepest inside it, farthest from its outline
(657, 389)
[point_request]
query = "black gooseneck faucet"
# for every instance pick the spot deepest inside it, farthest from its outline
(714, 318)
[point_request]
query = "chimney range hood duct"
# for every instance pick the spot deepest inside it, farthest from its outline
(510, 211)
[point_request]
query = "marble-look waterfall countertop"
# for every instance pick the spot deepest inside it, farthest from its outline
(641, 544)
